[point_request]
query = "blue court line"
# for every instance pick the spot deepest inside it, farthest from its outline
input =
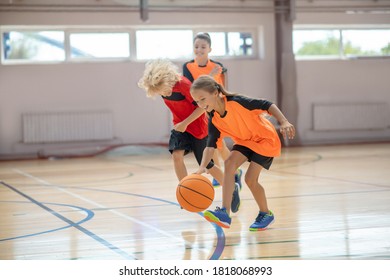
(220, 234)
(90, 215)
(71, 223)
(220, 241)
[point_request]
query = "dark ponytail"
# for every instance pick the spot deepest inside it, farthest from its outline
(208, 84)
(203, 36)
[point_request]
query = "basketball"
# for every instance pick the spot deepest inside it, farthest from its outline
(195, 193)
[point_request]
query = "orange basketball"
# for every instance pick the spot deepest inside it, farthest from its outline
(195, 193)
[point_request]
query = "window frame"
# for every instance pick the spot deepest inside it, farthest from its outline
(131, 30)
(155, 28)
(339, 28)
(241, 29)
(68, 34)
(29, 29)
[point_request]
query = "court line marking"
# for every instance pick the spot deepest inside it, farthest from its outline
(134, 220)
(322, 178)
(75, 225)
(221, 239)
(89, 213)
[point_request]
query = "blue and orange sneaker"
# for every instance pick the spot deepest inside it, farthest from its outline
(219, 217)
(263, 220)
(237, 177)
(216, 184)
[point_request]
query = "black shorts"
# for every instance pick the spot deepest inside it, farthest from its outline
(253, 156)
(187, 142)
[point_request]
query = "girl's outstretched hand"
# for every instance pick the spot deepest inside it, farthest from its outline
(287, 130)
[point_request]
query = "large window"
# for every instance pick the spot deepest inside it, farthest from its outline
(178, 44)
(40, 45)
(366, 42)
(30, 46)
(231, 44)
(99, 45)
(341, 43)
(173, 44)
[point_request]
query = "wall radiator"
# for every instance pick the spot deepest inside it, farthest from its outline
(54, 127)
(359, 116)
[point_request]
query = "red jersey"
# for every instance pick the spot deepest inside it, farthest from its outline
(245, 123)
(181, 105)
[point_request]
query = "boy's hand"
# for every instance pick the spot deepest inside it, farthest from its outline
(180, 127)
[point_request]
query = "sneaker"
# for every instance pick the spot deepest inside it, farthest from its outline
(219, 217)
(236, 198)
(262, 221)
(237, 177)
(216, 183)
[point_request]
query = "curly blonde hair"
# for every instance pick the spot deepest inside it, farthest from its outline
(159, 75)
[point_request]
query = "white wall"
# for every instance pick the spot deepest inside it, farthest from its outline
(341, 81)
(113, 86)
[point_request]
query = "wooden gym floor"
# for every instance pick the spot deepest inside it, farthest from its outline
(330, 202)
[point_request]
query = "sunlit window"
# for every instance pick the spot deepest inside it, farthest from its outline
(33, 46)
(218, 43)
(165, 43)
(316, 42)
(240, 43)
(341, 43)
(366, 42)
(171, 44)
(231, 44)
(71, 44)
(99, 45)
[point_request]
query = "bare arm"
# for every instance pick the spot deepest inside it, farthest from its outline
(208, 153)
(286, 128)
(182, 126)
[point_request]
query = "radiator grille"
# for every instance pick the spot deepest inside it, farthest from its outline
(67, 126)
(370, 116)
